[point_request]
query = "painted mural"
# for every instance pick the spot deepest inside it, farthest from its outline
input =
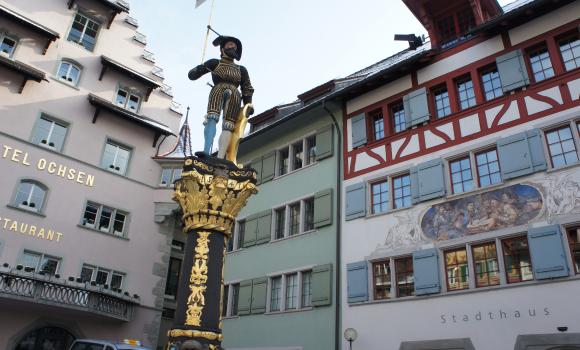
(501, 208)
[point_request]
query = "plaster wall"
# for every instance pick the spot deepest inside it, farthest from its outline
(379, 94)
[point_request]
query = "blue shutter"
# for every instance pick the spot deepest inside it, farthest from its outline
(268, 166)
(547, 252)
(357, 281)
(416, 107)
(426, 271)
(512, 70)
(356, 202)
(431, 180)
(414, 185)
(521, 154)
(359, 130)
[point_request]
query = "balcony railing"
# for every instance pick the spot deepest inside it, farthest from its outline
(48, 290)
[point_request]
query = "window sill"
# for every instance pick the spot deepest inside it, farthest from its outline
(235, 251)
(293, 236)
(64, 83)
(391, 211)
(234, 317)
(474, 191)
(562, 168)
(295, 171)
(11, 206)
(103, 233)
(289, 311)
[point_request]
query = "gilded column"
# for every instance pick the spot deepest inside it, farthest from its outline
(211, 193)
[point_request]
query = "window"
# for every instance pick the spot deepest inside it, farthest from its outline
(378, 125)
(442, 104)
(570, 50)
(404, 274)
(169, 176)
(116, 157)
(225, 300)
(283, 162)
(380, 199)
(516, 256)
(105, 219)
(486, 265)
(84, 32)
(456, 269)
(382, 279)
(297, 155)
(40, 262)
(7, 45)
(309, 214)
(280, 227)
(574, 241)
(398, 117)
(488, 170)
(237, 240)
(30, 195)
(541, 64)
(461, 179)
(453, 27)
(311, 150)
(466, 93)
(291, 291)
(561, 147)
(402, 191)
(235, 299)
(177, 246)
(173, 277)
(446, 28)
(491, 83)
(294, 218)
(128, 100)
(102, 276)
(49, 133)
(69, 73)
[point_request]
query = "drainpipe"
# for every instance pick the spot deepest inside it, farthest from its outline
(338, 227)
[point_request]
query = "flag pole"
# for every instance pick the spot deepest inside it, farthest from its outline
(207, 32)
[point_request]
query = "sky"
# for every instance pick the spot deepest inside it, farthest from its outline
(289, 46)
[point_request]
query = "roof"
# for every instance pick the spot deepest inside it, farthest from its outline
(131, 116)
(109, 62)
(27, 22)
(23, 69)
(117, 5)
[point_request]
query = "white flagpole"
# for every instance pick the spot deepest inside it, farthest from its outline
(207, 32)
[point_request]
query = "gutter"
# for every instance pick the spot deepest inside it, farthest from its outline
(338, 226)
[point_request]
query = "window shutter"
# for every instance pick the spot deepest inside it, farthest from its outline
(251, 231)
(263, 234)
(268, 166)
(416, 107)
(322, 285)
(245, 298)
(537, 150)
(259, 288)
(256, 164)
(357, 281)
(324, 143)
(426, 271)
(359, 130)
(547, 252)
(512, 70)
(323, 208)
(431, 180)
(356, 203)
(521, 154)
(413, 172)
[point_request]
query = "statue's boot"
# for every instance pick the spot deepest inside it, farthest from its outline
(224, 142)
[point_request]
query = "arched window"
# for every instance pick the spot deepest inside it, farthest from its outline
(30, 195)
(52, 338)
(69, 72)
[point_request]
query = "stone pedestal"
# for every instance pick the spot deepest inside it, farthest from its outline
(211, 193)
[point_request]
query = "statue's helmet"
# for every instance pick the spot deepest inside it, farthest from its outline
(222, 40)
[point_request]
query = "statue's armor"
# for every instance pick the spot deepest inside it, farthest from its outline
(226, 76)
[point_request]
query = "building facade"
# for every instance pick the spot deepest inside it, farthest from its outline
(83, 113)
(461, 183)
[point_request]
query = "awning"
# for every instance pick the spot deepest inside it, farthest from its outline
(12, 15)
(102, 104)
(28, 72)
(145, 80)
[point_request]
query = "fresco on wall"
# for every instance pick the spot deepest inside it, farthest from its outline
(501, 208)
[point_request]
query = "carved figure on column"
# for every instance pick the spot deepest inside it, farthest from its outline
(225, 98)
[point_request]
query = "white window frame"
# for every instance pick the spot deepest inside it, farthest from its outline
(67, 79)
(83, 33)
(130, 93)
(52, 122)
(35, 185)
(175, 174)
(389, 179)
(283, 286)
(237, 245)
(112, 219)
(4, 35)
(42, 257)
(118, 146)
(573, 125)
(474, 172)
(110, 272)
(229, 307)
(302, 223)
(291, 154)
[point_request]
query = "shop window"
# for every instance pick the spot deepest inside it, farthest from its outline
(574, 240)
(116, 157)
(398, 117)
(7, 45)
(380, 197)
(49, 132)
(378, 125)
(31, 196)
(516, 256)
(105, 219)
(491, 83)
(570, 51)
(541, 64)
(69, 72)
(488, 170)
(461, 177)
(456, 269)
(561, 147)
(382, 279)
(84, 32)
(404, 277)
(39, 262)
(465, 93)
(442, 104)
(402, 191)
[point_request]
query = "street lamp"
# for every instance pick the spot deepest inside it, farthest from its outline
(350, 335)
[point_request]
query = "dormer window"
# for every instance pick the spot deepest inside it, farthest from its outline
(7, 45)
(452, 27)
(128, 100)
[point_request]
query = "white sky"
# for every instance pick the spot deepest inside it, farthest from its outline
(289, 46)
